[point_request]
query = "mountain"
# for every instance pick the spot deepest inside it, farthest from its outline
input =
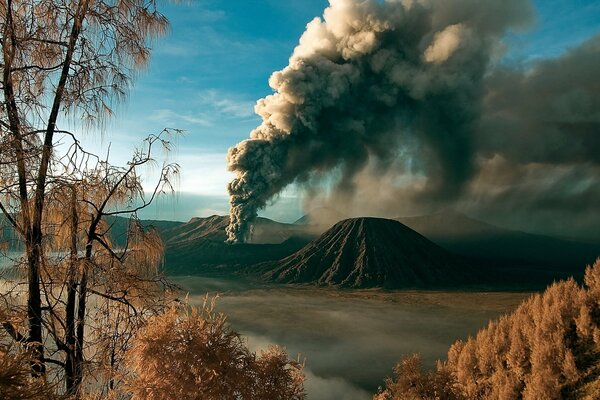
(264, 230)
(450, 224)
(197, 228)
(120, 225)
(199, 245)
(320, 216)
(370, 252)
(492, 245)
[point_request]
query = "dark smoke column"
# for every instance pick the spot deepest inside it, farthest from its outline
(365, 81)
(257, 179)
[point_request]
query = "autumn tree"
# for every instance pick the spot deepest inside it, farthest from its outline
(65, 61)
(192, 354)
(15, 374)
(72, 307)
(413, 383)
(548, 348)
(94, 294)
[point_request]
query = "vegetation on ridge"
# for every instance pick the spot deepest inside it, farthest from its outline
(548, 348)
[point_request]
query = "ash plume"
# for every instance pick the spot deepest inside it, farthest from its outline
(393, 82)
(536, 151)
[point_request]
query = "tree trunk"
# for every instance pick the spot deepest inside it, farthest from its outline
(82, 299)
(31, 237)
(71, 298)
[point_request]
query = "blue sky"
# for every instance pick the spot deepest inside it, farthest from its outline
(206, 74)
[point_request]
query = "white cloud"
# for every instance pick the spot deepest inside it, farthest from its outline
(203, 173)
(235, 108)
(227, 103)
(173, 118)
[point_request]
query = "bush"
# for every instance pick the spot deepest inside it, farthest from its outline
(16, 382)
(195, 355)
(548, 348)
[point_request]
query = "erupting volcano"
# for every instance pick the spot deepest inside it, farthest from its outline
(372, 82)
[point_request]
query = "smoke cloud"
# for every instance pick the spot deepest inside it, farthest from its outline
(538, 142)
(395, 84)
(536, 154)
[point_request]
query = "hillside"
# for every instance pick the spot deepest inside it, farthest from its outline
(517, 260)
(320, 216)
(370, 252)
(119, 226)
(264, 230)
(546, 257)
(199, 245)
(548, 348)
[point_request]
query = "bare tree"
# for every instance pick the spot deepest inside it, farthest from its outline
(78, 297)
(70, 59)
(81, 265)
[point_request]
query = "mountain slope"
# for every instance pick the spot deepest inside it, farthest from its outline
(212, 227)
(469, 237)
(199, 245)
(370, 252)
(320, 216)
(119, 227)
(450, 223)
(264, 230)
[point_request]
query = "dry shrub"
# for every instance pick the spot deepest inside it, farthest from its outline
(16, 382)
(413, 383)
(548, 348)
(195, 355)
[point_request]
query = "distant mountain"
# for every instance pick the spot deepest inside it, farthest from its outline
(450, 223)
(264, 230)
(488, 243)
(199, 244)
(371, 252)
(120, 225)
(320, 216)
(197, 228)
(512, 259)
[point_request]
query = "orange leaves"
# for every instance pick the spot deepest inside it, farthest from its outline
(548, 348)
(195, 355)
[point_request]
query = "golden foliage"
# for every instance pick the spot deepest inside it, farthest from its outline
(195, 355)
(76, 59)
(548, 348)
(413, 383)
(16, 382)
(111, 44)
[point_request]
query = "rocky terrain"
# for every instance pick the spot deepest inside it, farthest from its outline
(371, 252)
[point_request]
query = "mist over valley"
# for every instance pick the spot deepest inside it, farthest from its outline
(350, 339)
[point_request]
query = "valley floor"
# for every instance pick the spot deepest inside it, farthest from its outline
(350, 339)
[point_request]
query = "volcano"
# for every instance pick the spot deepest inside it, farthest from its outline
(371, 252)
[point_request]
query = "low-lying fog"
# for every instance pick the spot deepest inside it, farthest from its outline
(350, 339)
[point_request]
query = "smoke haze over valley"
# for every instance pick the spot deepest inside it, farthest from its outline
(339, 334)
